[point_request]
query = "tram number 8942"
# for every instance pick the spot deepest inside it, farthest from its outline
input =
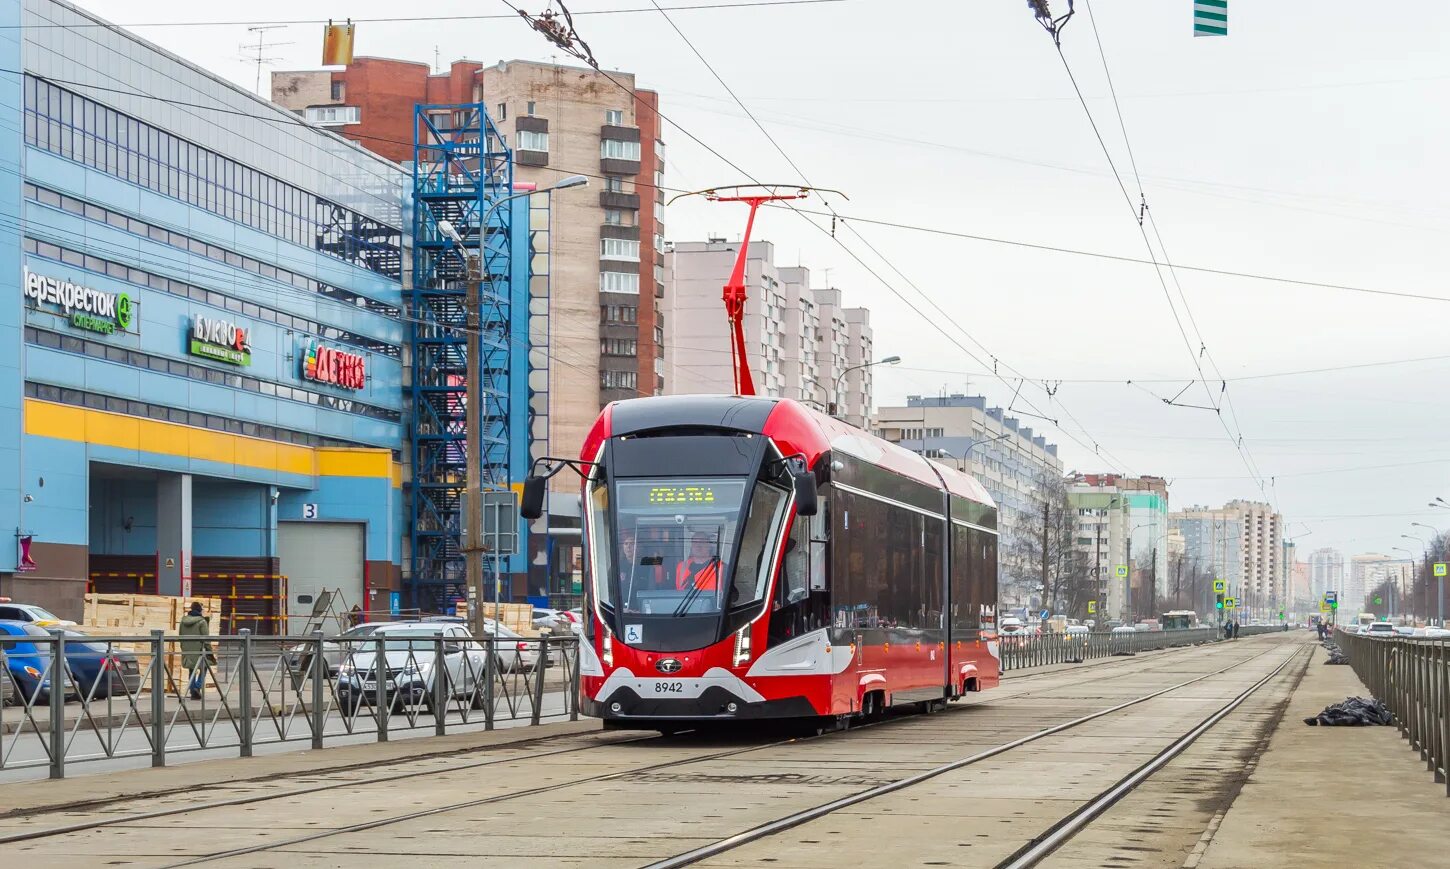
(669, 687)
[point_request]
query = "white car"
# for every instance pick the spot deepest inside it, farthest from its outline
(1077, 630)
(410, 652)
(1011, 627)
(1379, 629)
(1123, 630)
(35, 615)
(1405, 630)
(517, 652)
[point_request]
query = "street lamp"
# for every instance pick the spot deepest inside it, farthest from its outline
(889, 360)
(1398, 595)
(473, 453)
(1440, 586)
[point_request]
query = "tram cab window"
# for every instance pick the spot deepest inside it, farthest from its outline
(676, 540)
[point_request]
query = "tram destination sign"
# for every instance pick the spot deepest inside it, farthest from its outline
(221, 340)
(86, 308)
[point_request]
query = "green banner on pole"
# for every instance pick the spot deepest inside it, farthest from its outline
(1210, 17)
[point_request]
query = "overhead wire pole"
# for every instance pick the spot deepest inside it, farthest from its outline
(835, 218)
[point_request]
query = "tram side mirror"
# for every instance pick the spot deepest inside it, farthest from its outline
(805, 494)
(531, 506)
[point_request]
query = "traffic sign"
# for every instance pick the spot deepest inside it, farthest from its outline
(1220, 586)
(1324, 606)
(1331, 596)
(1230, 603)
(1092, 607)
(1377, 600)
(1122, 571)
(1439, 568)
(1044, 614)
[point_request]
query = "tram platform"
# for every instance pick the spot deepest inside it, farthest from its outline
(1325, 795)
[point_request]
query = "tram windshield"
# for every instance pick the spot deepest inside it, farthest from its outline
(676, 546)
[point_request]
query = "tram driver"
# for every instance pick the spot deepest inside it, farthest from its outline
(701, 569)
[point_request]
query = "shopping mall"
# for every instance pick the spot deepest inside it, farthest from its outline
(201, 365)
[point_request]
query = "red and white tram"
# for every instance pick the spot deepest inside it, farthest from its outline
(752, 558)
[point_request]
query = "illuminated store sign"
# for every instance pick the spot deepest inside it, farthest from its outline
(330, 365)
(94, 310)
(221, 340)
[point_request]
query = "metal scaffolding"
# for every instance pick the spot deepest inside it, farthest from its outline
(461, 166)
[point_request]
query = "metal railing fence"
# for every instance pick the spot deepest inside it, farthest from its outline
(157, 695)
(1411, 676)
(1019, 652)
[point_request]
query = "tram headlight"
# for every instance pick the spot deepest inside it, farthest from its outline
(742, 645)
(607, 652)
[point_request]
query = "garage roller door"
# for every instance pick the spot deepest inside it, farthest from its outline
(321, 555)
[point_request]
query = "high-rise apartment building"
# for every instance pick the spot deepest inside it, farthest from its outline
(1326, 571)
(604, 336)
(1368, 573)
(1015, 465)
(1265, 585)
(1122, 522)
(799, 341)
(1211, 546)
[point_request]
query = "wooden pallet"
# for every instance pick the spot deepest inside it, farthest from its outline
(517, 617)
(143, 613)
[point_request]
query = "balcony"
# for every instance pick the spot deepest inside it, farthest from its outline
(608, 199)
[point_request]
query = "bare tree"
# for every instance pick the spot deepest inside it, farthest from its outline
(1043, 553)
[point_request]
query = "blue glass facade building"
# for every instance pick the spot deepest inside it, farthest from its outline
(202, 359)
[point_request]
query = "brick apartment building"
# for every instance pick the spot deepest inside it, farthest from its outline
(606, 270)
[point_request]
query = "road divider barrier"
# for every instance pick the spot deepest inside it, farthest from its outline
(1411, 676)
(123, 697)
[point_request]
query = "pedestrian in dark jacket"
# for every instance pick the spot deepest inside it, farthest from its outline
(1236, 630)
(195, 654)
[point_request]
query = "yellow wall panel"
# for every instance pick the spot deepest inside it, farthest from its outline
(354, 462)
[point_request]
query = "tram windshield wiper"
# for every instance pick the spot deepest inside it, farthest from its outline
(696, 588)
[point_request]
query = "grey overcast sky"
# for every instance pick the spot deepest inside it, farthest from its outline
(1308, 144)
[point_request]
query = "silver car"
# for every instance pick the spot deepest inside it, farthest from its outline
(299, 657)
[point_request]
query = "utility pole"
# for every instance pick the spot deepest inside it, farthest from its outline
(473, 463)
(1046, 507)
(1128, 584)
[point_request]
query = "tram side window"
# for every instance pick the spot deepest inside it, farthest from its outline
(933, 583)
(973, 576)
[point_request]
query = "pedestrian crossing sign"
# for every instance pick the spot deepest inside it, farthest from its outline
(1230, 603)
(1324, 606)
(1092, 607)
(1220, 586)
(1439, 568)
(1122, 571)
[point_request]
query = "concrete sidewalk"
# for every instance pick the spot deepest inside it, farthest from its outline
(1355, 796)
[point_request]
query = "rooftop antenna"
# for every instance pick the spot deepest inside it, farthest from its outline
(260, 59)
(753, 195)
(437, 60)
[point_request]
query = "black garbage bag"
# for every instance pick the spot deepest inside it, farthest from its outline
(1352, 712)
(1335, 655)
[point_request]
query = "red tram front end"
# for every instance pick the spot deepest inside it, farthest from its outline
(750, 558)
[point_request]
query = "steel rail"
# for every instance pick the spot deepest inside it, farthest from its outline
(795, 819)
(437, 810)
(1073, 823)
(115, 820)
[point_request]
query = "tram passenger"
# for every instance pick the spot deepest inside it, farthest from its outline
(702, 569)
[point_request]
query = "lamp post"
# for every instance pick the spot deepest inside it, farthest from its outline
(1424, 555)
(473, 452)
(1440, 585)
(836, 394)
(1128, 580)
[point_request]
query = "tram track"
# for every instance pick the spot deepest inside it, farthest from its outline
(635, 771)
(796, 819)
(531, 743)
(692, 857)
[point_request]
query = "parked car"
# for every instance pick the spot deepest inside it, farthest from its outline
(1077, 630)
(100, 670)
(1379, 629)
(410, 667)
(36, 615)
(299, 657)
(556, 621)
(28, 662)
(526, 650)
(1122, 630)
